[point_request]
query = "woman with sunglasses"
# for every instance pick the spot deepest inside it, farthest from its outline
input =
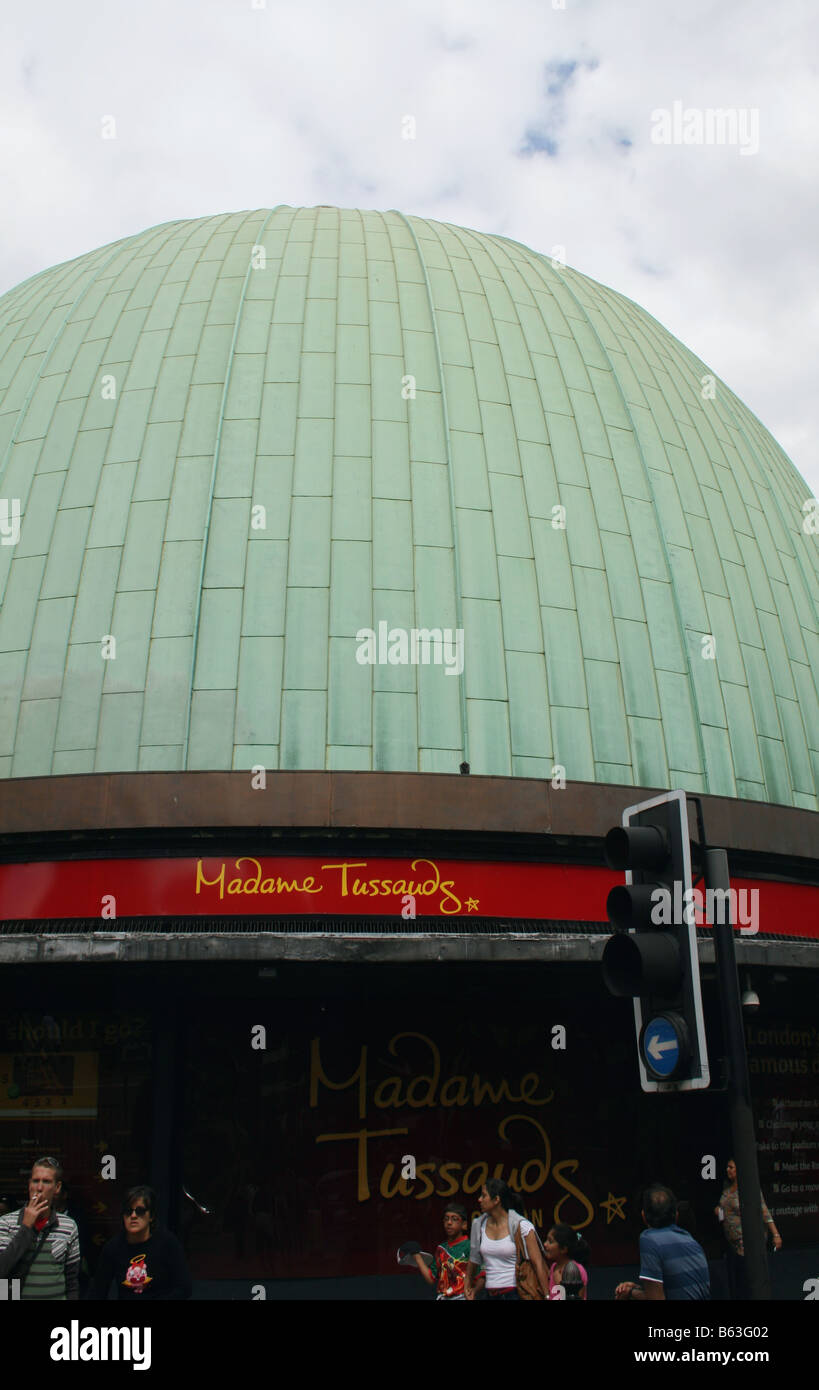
(144, 1260)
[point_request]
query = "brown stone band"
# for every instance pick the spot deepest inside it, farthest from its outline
(114, 805)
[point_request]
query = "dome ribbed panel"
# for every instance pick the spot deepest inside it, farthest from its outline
(230, 466)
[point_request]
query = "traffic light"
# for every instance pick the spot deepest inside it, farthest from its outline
(652, 957)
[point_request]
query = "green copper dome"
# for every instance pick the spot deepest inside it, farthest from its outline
(239, 444)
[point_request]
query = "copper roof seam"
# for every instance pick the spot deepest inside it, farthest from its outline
(456, 555)
(216, 451)
(692, 685)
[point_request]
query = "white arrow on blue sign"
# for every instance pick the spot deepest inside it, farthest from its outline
(661, 1046)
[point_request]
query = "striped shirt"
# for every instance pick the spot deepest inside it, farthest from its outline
(53, 1273)
(671, 1257)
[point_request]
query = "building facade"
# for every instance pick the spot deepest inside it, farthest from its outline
(357, 572)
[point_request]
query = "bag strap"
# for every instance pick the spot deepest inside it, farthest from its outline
(523, 1239)
(23, 1267)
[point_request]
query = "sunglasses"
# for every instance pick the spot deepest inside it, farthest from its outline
(135, 1211)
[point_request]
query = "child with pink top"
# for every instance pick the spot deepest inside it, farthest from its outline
(565, 1248)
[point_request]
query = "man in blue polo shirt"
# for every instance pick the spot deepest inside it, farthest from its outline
(672, 1264)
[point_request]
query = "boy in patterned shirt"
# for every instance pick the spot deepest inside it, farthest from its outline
(451, 1256)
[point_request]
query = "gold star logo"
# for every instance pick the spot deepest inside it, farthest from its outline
(614, 1207)
(472, 904)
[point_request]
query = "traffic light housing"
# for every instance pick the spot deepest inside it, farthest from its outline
(652, 956)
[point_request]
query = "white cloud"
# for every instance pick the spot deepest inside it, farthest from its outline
(220, 106)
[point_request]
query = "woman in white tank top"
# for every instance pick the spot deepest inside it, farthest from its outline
(493, 1246)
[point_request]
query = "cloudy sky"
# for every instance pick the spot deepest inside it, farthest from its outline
(532, 118)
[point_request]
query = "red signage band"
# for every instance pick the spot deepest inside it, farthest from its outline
(359, 886)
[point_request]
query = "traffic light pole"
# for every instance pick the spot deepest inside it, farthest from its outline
(652, 957)
(739, 1088)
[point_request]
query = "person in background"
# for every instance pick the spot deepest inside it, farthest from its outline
(448, 1271)
(146, 1261)
(728, 1213)
(39, 1245)
(493, 1247)
(565, 1248)
(672, 1264)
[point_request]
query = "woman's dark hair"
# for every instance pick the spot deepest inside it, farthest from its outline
(570, 1239)
(509, 1200)
(726, 1181)
(140, 1194)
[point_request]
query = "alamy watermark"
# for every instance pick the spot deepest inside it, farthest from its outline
(398, 646)
(697, 125)
(717, 905)
(76, 1343)
(9, 520)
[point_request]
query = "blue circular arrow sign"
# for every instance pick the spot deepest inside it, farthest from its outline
(661, 1046)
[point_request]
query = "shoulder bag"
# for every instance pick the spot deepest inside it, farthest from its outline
(526, 1275)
